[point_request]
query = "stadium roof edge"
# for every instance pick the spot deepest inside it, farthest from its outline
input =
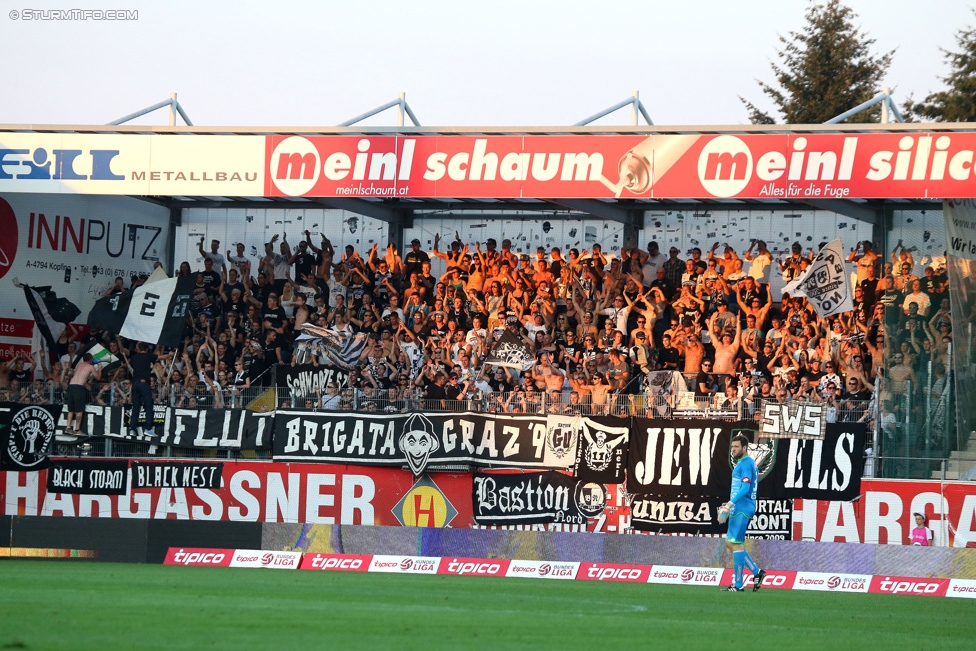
(913, 127)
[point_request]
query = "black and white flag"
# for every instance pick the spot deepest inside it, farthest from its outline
(602, 452)
(825, 282)
(510, 351)
(51, 314)
(154, 312)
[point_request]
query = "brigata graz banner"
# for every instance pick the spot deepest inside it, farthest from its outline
(680, 472)
(414, 439)
(210, 429)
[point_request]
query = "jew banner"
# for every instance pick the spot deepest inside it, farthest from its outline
(415, 439)
(682, 471)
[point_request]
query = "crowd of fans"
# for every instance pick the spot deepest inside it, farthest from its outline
(597, 324)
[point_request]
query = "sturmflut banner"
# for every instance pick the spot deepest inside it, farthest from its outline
(221, 429)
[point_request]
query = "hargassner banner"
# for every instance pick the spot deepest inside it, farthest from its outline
(703, 166)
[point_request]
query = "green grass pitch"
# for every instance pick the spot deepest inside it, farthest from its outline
(80, 605)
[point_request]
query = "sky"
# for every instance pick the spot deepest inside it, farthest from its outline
(500, 63)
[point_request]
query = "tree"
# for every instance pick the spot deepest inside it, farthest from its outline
(826, 69)
(958, 103)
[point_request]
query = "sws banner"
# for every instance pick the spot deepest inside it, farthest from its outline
(416, 440)
(210, 429)
(681, 473)
(26, 434)
(505, 498)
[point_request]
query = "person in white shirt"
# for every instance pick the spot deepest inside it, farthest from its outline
(214, 255)
(237, 261)
(920, 298)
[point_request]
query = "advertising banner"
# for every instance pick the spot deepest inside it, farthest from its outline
(660, 166)
(75, 245)
(666, 166)
(263, 492)
(884, 514)
(133, 164)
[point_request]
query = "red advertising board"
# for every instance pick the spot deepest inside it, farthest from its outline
(267, 492)
(199, 556)
(884, 514)
(667, 166)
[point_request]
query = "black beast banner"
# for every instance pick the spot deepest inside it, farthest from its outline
(488, 440)
(87, 476)
(213, 429)
(26, 434)
(304, 379)
(534, 498)
(180, 474)
(682, 472)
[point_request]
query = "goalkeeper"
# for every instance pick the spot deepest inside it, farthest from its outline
(742, 506)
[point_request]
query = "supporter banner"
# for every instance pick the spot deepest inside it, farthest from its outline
(884, 514)
(699, 166)
(562, 438)
(75, 245)
(264, 492)
(179, 474)
(223, 429)
(527, 498)
(601, 454)
(87, 476)
(416, 440)
(303, 380)
(797, 420)
(26, 435)
(681, 473)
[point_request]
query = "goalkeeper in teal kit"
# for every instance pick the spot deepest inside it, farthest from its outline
(742, 506)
